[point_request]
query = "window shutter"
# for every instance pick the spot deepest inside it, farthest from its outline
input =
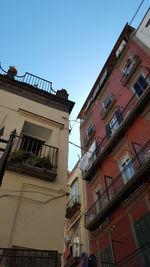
(137, 89)
(106, 257)
(118, 115)
(143, 82)
(108, 130)
(142, 229)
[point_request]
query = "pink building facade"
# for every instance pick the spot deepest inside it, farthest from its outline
(115, 134)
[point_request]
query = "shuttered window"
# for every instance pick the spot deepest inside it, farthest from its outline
(114, 123)
(140, 85)
(106, 257)
(142, 230)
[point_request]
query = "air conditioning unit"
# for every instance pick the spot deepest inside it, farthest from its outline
(147, 155)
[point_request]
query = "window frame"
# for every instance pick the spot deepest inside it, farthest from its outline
(147, 81)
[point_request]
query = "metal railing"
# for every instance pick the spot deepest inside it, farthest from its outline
(118, 183)
(125, 111)
(102, 141)
(32, 80)
(139, 258)
(28, 258)
(31, 150)
(75, 200)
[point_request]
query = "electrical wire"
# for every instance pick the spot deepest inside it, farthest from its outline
(34, 200)
(28, 191)
(114, 161)
(136, 12)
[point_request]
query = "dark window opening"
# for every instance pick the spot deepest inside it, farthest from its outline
(140, 85)
(30, 144)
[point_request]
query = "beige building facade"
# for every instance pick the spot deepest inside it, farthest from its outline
(33, 190)
(76, 236)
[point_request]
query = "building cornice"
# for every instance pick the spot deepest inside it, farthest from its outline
(34, 94)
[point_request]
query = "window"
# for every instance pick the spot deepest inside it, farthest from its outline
(127, 168)
(142, 230)
(114, 123)
(107, 102)
(75, 192)
(30, 144)
(106, 257)
(90, 130)
(98, 199)
(140, 85)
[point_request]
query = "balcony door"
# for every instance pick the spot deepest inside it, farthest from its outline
(127, 168)
(140, 85)
(98, 200)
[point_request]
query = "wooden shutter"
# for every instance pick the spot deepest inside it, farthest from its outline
(108, 130)
(142, 229)
(106, 257)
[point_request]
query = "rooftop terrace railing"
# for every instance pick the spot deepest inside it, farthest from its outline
(32, 80)
(118, 184)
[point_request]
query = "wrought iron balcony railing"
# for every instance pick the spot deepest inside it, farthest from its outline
(30, 151)
(123, 114)
(33, 80)
(117, 185)
(28, 258)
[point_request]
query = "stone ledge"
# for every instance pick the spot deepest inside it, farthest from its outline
(33, 171)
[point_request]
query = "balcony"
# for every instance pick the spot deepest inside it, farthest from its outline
(108, 105)
(72, 255)
(132, 176)
(106, 144)
(33, 157)
(72, 206)
(28, 258)
(129, 69)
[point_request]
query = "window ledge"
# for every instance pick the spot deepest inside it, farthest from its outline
(29, 170)
(104, 112)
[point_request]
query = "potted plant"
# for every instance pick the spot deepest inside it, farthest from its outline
(11, 72)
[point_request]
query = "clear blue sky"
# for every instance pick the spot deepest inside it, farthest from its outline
(64, 41)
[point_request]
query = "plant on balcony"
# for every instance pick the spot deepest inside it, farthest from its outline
(30, 158)
(11, 72)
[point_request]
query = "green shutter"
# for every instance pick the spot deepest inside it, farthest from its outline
(106, 256)
(142, 229)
